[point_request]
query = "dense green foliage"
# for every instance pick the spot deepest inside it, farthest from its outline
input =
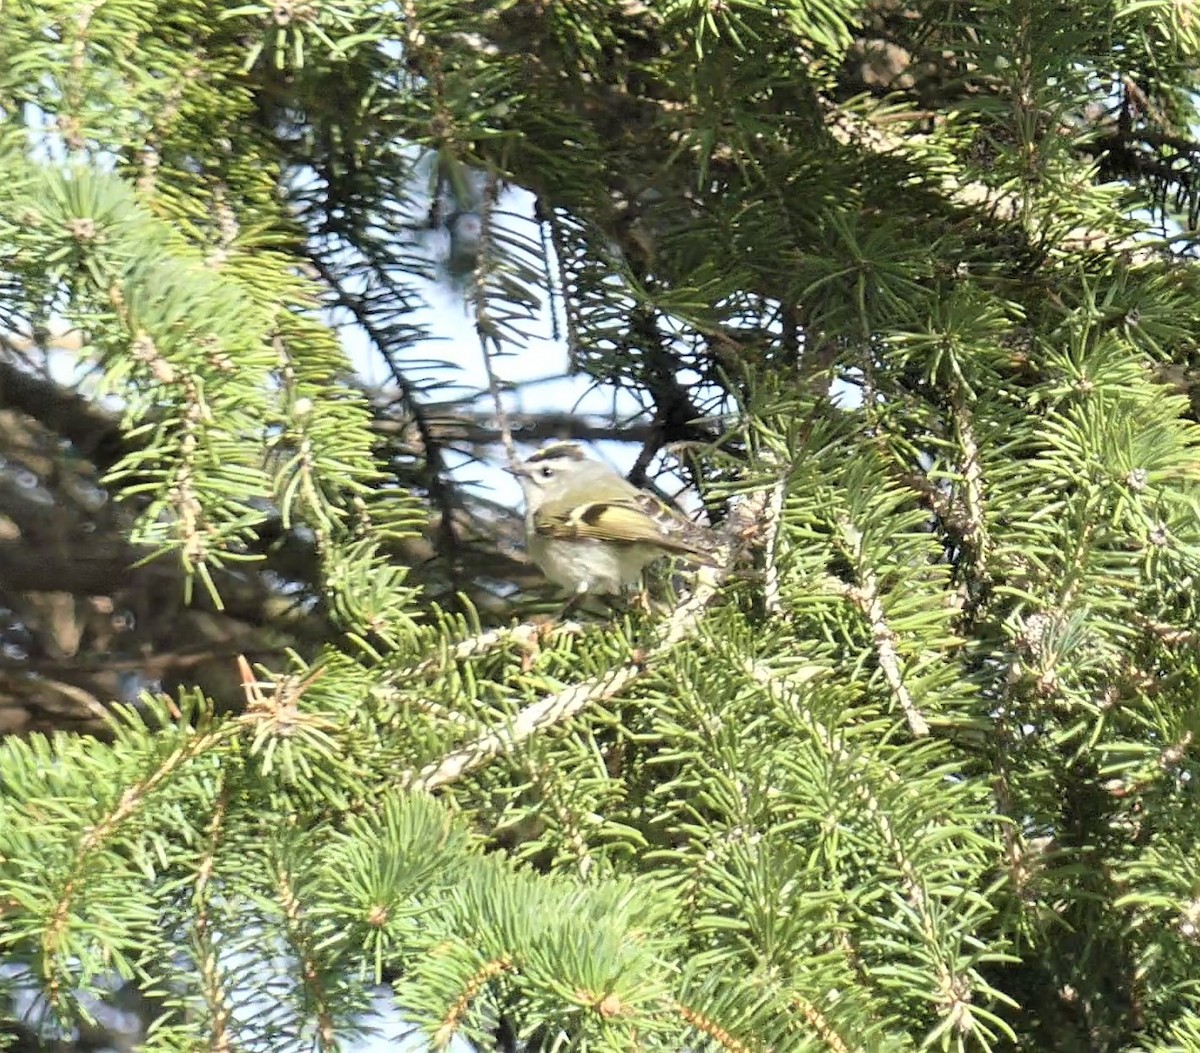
(915, 767)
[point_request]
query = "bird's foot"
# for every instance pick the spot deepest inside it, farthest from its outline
(639, 600)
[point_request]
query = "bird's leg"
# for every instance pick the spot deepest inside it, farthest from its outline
(567, 607)
(639, 599)
(572, 603)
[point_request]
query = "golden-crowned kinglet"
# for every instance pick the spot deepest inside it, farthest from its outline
(590, 530)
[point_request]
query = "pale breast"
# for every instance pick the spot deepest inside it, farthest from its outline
(590, 566)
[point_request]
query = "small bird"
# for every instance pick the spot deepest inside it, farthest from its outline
(592, 531)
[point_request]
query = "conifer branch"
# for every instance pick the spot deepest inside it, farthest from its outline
(543, 782)
(706, 1025)
(939, 501)
(71, 124)
(526, 635)
(954, 989)
(821, 1025)
(975, 532)
(554, 709)
(784, 689)
(865, 597)
(226, 222)
(309, 958)
(469, 427)
(772, 520)
(462, 1004)
(489, 338)
(1005, 205)
(570, 302)
(212, 983)
(1015, 848)
(55, 932)
(440, 491)
(390, 694)
(562, 705)
(914, 889)
(150, 153)
(1168, 759)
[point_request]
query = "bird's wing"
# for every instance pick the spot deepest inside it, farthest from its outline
(640, 518)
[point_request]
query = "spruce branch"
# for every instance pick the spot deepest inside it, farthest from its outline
(73, 96)
(440, 490)
(188, 507)
(784, 689)
(459, 1008)
(54, 935)
(273, 706)
(527, 635)
(1167, 761)
(866, 598)
(487, 330)
(975, 532)
(562, 705)
(1005, 205)
(570, 302)
(226, 221)
(1016, 851)
(309, 957)
(821, 1025)
(552, 710)
(150, 153)
(546, 786)
(954, 989)
(707, 1026)
(212, 983)
(772, 520)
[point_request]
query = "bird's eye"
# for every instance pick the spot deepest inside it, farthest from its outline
(547, 472)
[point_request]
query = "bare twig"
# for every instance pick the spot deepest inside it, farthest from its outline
(469, 427)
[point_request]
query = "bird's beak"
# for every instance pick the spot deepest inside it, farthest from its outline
(518, 470)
